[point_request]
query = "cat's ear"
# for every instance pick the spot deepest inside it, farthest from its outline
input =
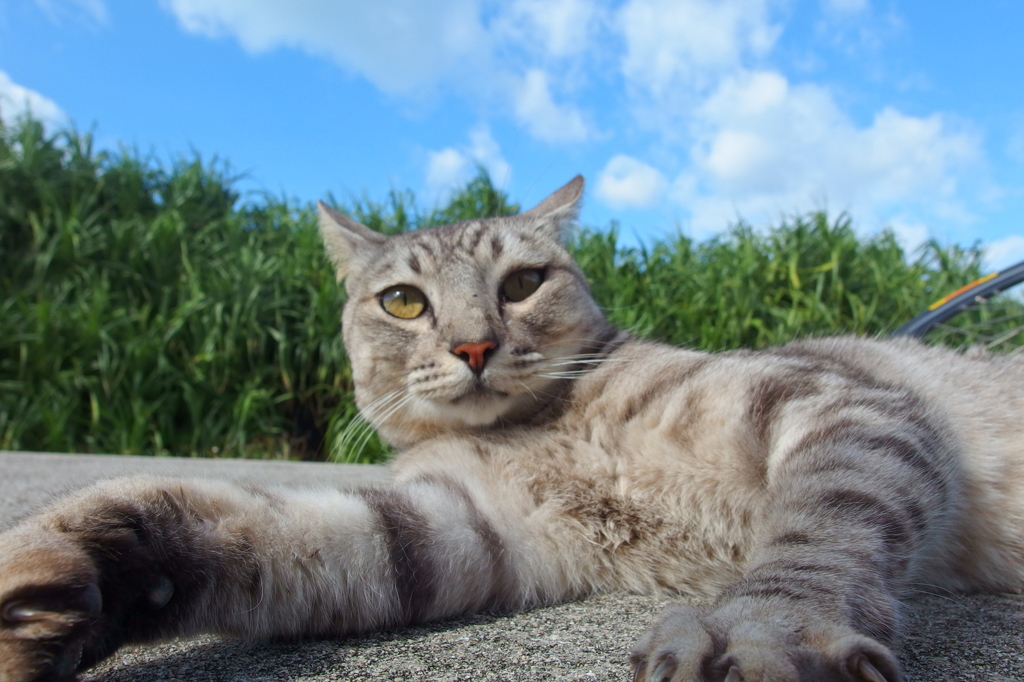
(558, 212)
(344, 238)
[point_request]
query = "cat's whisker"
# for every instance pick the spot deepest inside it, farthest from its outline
(345, 450)
(354, 425)
(356, 434)
(382, 408)
(597, 344)
(360, 424)
(573, 366)
(528, 389)
(588, 357)
(937, 591)
(568, 367)
(561, 376)
(358, 449)
(369, 409)
(940, 596)
(581, 361)
(584, 357)
(353, 431)
(397, 406)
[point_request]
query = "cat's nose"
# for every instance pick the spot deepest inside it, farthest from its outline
(476, 354)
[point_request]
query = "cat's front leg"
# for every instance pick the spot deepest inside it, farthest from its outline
(124, 561)
(141, 559)
(857, 507)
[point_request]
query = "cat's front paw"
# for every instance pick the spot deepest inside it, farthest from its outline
(744, 642)
(50, 606)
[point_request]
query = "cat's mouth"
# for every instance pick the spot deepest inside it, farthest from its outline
(478, 390)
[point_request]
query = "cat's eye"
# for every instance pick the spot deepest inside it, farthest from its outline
(521, 284)
(403, 301)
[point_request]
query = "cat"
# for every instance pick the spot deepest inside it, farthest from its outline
(806, 489)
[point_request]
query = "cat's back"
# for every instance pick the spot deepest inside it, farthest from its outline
(708, 424)
(978, 395)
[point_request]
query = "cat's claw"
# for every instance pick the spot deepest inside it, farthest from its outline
(734, 675)
(690, 644)
(50, 603)
(664, 671)
(868, 671)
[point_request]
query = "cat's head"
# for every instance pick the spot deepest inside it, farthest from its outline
(463, 325)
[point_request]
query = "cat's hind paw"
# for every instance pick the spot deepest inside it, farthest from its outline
(689, 644)
(50, 605)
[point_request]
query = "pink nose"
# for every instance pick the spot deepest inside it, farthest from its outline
(475, 353)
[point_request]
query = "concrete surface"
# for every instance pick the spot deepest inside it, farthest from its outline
(948, 637)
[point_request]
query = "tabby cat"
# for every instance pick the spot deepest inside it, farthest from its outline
(808, 489)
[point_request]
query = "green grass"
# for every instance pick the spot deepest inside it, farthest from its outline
(807, 276)
(148, 309)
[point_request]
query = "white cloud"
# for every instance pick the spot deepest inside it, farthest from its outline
(446, 168)
(451, 167)
(17, 100)
(402, 46)
(558, 28)
(673, 44)
(910, 235)
(1004, 252)
(485, 150)
(545, 119)
(626, 182)
(763, 146)
(410, 48)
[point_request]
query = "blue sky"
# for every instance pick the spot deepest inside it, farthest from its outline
(682, 114)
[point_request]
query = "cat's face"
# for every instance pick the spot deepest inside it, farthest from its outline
(462, 325)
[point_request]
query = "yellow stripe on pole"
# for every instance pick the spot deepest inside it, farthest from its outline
(961, 290)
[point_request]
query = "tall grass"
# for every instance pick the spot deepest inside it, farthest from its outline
(807, 276)
(143, 312)
(147, 309)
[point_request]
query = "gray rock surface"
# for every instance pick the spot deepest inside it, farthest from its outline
(948, 637)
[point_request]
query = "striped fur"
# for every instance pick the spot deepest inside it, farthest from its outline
(808, 489)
